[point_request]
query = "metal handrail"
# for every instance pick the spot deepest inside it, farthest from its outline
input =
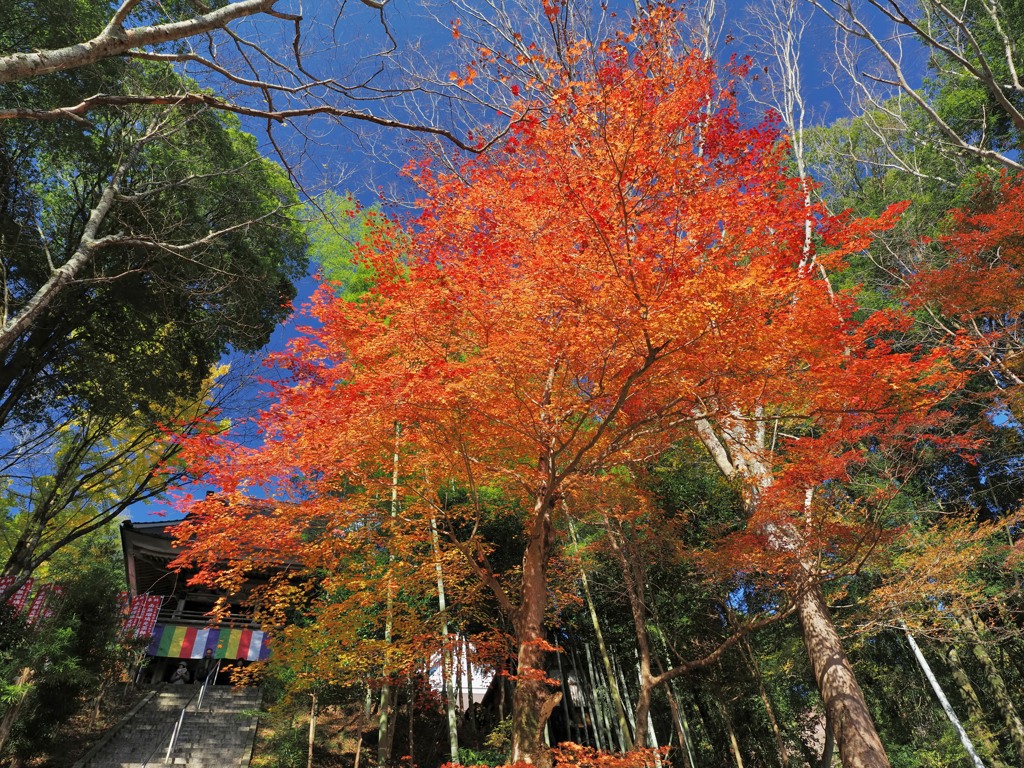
(212, 673)
(176, 730)
(159, 740)
(199, 706)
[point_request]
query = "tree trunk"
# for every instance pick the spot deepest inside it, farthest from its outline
(859, 745)
(312, 730)
(674, 702)
(974, 709)
(12, 713)
(996, 683)
(20, 563)
(600, 702)
(470, 704)
(633, 577)
(570, 722)
(644, 731)
(941, 696)
(734, 743)
(446, 651)
(855, 733)
(755, 668)
(389, 737)
(412, 723)
(386, 726)
(830, 744)
(682, 731)
(501, 699)
(533, 700)
(624, 688)
(590, 702)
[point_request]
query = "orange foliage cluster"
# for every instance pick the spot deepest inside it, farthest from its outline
(630, 260)
(569, 755)
(983, 275)
(977, 291)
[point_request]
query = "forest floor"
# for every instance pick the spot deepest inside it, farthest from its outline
(286, 740)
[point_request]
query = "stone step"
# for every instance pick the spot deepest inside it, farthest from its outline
(220, 736)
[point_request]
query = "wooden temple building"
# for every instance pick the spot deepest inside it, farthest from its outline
(177, 617)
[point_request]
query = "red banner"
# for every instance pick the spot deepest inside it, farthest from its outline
(142, 616)
(18, 599)
(44, 604)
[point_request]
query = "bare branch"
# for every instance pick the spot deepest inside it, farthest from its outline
(949, 37)
(114, 40)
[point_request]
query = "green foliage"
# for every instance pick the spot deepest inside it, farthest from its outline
(971, 110)
(285, 748)
(150, 320)
(688, 486)
(73, 654)
(339, 228)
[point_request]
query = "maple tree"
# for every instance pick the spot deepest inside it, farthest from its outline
(631, 265)
(973, 292)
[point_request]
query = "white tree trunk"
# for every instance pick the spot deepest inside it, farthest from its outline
(446, 666)
(941, 696)
(385, 727)
(312, 730)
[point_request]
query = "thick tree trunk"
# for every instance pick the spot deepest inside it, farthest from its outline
(534, 699)
(739, 451)
(643, 711)
(387, 747)
(859, 745)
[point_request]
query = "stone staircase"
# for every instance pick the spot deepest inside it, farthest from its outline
(220, 736)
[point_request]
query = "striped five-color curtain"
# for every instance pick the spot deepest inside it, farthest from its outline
(192, 643)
